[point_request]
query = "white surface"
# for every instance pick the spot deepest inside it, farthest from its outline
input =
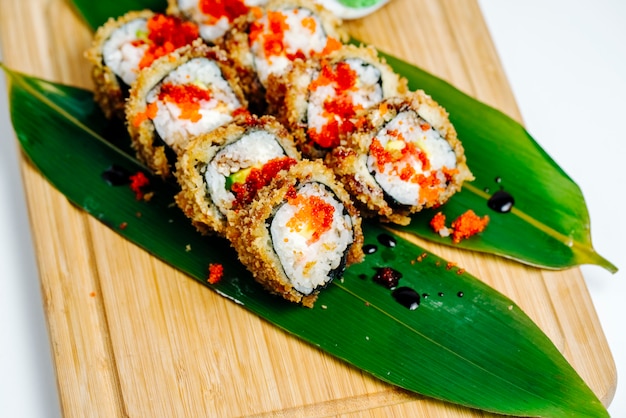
(566, 62)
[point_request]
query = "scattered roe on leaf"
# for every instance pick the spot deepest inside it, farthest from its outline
(468, 224)
(138, 183)
(258, 178)
(313, 217)
(463, 227)
(165, 35)
(339, 109)
(216, 273)
(438, 224)
(217, 9)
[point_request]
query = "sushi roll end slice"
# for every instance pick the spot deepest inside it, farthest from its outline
(299, 233)
(406, 157)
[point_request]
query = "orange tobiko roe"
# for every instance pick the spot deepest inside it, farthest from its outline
(272, 36)
(165, 35)
(258, 178)
(314, 216)
(438, 223)
(467, 225)
(216, 273)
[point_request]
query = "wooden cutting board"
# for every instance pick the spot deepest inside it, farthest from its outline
(131, 336)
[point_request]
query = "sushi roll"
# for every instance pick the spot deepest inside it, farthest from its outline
(266, 43)
(321, 101)
(214, 17)
(404, 158)
(123, 46)
(299, 233)
(222, 170)
(182, 95)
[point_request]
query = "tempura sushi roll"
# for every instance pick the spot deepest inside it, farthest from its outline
(267, 43)
(213, 17)
(321, 101)
(182, 95)
(299, 233)
(405, 157)
(123, 46)
(223, 170)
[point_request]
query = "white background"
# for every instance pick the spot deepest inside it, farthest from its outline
(566, 63)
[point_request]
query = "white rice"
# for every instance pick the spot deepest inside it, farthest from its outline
(436, 148)
(215, 112)
(368, 92)
(253, 149)
(119, 53)
(296, 38)
(308, 265)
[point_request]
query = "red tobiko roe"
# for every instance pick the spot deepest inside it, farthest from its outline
(338, 110)
(313, 217)
(138, 182)
(217, 9)
(259, 178)
(165, 35)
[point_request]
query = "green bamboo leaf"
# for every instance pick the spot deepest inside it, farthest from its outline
(465, 343)
(549, 223)
(95, 13)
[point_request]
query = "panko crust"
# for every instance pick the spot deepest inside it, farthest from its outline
(349, 161)
(288, 96)
(109, 93)
(248, 233)
(193, 198)
(143, 136)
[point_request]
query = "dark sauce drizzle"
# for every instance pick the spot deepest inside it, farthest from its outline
(369, 249)
(501, 201)
(407, 297)
(386, 240)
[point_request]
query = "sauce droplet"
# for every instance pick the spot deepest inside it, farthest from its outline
(387, 240)
(501, 201)
(370, 249)
(388, 277)
(407, 297)
(116, 175)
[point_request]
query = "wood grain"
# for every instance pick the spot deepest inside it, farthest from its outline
(133, 337)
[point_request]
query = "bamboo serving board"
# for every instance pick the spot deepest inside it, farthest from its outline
(133, 337)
